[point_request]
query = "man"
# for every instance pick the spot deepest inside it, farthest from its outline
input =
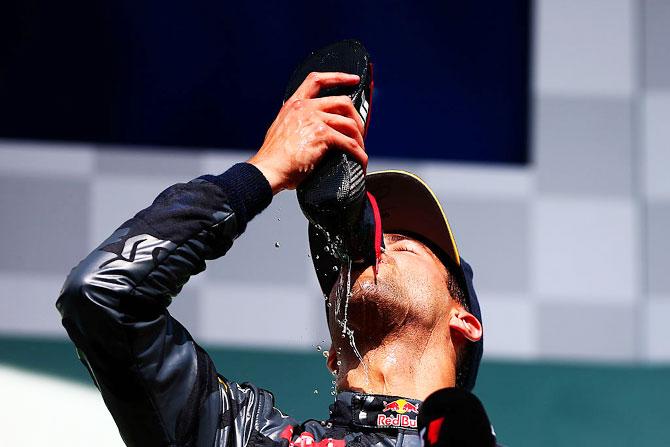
(410, 323)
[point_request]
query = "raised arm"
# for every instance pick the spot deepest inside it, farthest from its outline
(159, 385)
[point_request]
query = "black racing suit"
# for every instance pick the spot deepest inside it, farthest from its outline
(160, 386)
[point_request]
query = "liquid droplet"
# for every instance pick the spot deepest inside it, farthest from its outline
(279, 219)
(316, 391)
(325, 354)
(335, 268)
(332, 393)
(339, 363)
(318, 348)
(277, 244)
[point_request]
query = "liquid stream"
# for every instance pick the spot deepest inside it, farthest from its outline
(345, 292)
(333, 246)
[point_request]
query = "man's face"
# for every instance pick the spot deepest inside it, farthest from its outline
(409, 293)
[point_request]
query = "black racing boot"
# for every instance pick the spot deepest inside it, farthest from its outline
(343, 216)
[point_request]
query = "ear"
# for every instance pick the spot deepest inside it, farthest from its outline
(466, 324)
(332, 359)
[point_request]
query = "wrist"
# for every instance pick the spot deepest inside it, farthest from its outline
(270, 174)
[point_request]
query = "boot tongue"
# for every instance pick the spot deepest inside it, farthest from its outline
(378, 241)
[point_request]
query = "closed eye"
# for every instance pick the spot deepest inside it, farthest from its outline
(401, 246)
(399, 242)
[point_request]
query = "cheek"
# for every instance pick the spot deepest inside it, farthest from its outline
(422, 281)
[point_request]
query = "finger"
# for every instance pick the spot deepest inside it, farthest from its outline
(344, 125)
(335, 139)
(341, 105)
(316, 81)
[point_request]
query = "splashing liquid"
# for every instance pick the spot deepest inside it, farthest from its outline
(345, 292)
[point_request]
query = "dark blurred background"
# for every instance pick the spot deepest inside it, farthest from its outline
(452, 76)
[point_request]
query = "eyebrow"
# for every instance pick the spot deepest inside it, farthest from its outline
(396, 237)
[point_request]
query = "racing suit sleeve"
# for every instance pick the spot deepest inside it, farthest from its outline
(160, 386)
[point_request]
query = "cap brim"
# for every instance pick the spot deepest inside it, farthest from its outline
(408, 205)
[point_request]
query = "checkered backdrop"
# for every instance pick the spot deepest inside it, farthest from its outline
(569, 252)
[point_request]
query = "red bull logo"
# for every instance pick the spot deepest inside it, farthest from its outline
(401, 406)
(402, 418)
